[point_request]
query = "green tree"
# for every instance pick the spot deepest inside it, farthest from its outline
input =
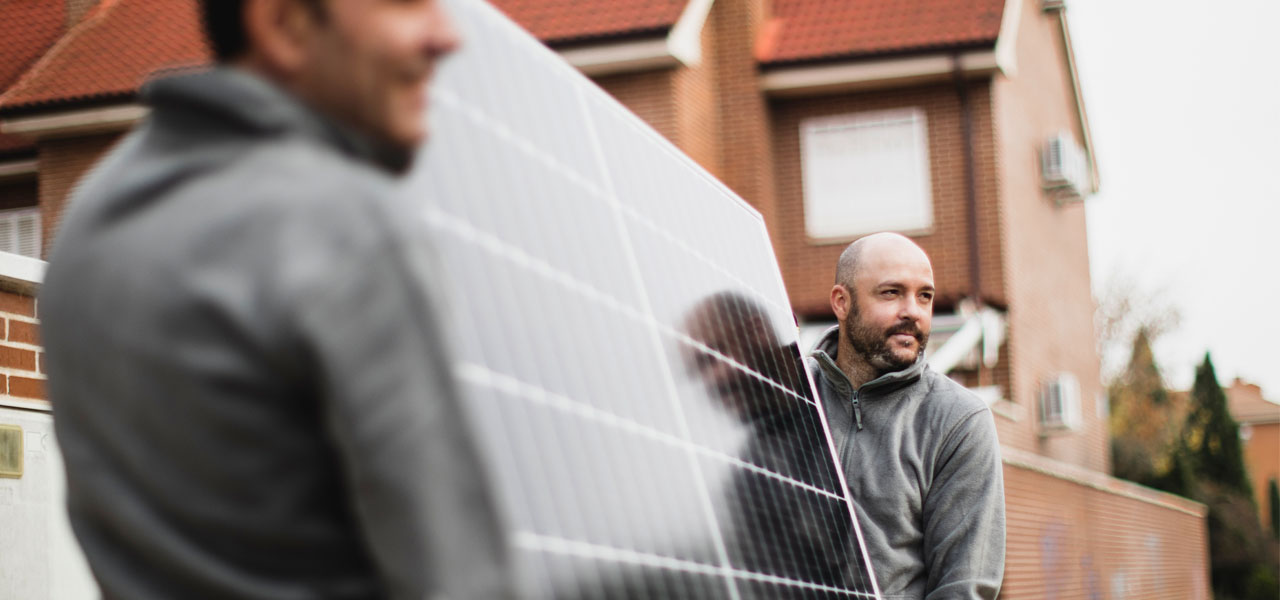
(1212, 436)
(1273, 495)
(1242, 557)
(1146, 423)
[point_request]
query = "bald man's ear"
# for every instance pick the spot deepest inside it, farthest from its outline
(840, 301)
(277, 33)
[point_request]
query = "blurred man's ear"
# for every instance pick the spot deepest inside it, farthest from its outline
(277, 33)
(840, 301)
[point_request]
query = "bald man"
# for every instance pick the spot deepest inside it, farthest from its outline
(919, 451)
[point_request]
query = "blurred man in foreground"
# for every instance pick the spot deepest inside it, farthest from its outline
(919, 451)
(241, 324)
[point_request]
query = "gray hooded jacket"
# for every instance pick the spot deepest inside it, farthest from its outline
(247, 366)
(922, 462)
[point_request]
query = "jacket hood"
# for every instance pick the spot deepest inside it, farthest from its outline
(260, 107)
(824, 352)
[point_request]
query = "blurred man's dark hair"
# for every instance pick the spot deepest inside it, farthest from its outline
(223, 22)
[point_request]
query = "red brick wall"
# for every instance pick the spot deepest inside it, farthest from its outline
(713, 110)
(1077, 534)
(62, 162)
(697, 108)
(649, 95)
(809, 268)
(746, 153)
(21, 358)
(1046, 257)
(681, 103)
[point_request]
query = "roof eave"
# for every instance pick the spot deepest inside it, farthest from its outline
(1061, 9)
(679, 45)
(110, 118)
(866, 73)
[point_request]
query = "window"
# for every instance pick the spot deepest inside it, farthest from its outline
(866, 172)
(20, 231)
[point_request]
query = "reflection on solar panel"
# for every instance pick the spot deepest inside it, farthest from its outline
(625, 346)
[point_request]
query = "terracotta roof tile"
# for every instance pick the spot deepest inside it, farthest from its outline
(805, 30)
(1247, 405)
(27, 29)
(111, 52)
(561, 21)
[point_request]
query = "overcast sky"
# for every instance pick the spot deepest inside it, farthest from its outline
(1183, 98)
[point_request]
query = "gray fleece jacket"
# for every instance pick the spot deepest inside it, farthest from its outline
(247, 366)
(922, 462)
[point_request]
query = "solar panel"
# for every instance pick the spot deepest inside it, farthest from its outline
(625, 345)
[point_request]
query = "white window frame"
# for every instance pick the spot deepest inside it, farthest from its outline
(831, 216)
(9, 218)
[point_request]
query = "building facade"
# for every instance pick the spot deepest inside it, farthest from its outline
(957, 122)
(1259, 420)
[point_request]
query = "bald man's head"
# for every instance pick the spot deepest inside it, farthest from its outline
(850, 260)
(883, 298)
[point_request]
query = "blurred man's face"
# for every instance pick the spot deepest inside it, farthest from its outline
(892, 310)
(748, 341)
(367, 64)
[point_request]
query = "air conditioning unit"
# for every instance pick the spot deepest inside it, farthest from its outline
(1064, 168)
(1060, 403)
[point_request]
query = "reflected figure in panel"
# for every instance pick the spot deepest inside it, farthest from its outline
(772, 526)
(249, 380)
(919, 451)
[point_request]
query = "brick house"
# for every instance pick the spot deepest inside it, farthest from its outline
(957, 122)
(1259, 420)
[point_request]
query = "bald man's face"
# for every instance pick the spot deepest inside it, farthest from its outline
(891, 306)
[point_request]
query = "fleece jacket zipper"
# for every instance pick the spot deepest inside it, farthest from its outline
(857, 410)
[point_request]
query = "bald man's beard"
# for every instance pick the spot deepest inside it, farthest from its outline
(872, 344)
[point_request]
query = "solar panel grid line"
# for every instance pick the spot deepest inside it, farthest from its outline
(556, 545)
(443, 220)
(643, 220)
(449, 98)
(554, 62)
(624, 238)
(480, 375)
(839, 471)
(658, 582)
(586, 586)
(554, 450)
(701, 347)
(668, 380)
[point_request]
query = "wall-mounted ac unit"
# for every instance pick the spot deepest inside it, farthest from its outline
(1064, 168)
(1060, 403)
